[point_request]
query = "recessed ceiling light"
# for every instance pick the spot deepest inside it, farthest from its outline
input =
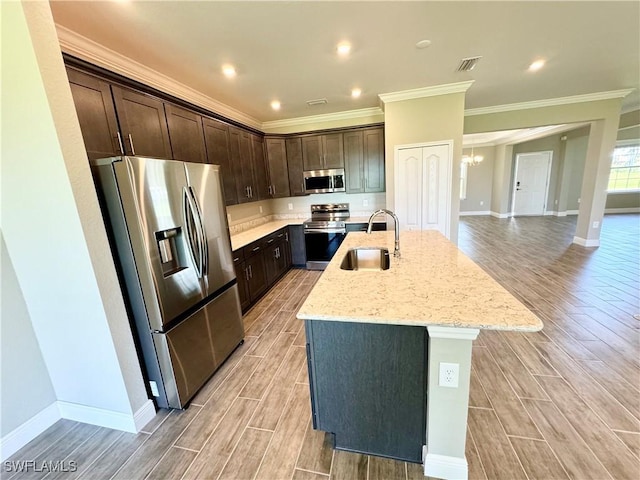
(356, 92)
(537, 65)
(229, 71)
(275, 105)
(423, 44)
(344, 48)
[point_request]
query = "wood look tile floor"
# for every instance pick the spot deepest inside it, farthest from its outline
(561, 403)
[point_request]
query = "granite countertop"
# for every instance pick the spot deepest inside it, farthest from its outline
(433, 283)
(243, 239)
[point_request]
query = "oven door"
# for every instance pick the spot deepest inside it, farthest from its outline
(321, 245)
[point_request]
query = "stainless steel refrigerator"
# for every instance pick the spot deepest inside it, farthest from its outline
(170, 236)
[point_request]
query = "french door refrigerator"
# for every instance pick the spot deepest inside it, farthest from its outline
(170, 234)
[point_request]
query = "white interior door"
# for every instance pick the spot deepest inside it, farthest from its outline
(423, 187)
(531, 183)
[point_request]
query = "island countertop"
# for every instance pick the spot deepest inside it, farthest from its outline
(433, 283)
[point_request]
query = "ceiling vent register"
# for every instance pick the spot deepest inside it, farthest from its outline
(468, 64)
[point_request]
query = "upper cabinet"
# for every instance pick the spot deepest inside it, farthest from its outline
(295, 165)
(278, 169)
(216, 137)
(259, 166)
(97, 116)
(143, 123)
(364, 160)
(240, 157)
(186, 135)
(322, 151)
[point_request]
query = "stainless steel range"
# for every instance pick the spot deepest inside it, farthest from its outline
(324, 232)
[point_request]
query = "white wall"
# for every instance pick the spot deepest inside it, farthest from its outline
(53, 231)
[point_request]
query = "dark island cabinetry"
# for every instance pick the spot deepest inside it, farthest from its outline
(368, 386)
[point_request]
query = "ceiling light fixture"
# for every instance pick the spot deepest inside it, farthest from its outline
(229, 71)
(344, 48)
(356, 92)
(472, 159)
(537, 65)
(275, 105)
(423, 44)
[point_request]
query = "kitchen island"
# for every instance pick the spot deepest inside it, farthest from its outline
(376, 341)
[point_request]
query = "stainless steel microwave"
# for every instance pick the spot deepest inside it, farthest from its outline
(324, 181)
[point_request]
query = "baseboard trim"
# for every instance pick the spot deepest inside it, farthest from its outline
(500, 215)
(144, 415)
(19, 437)
(444, 466)
(585, 242)
(622, 210)
(98, 416)
(478, 213)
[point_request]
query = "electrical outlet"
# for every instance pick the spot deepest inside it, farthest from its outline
(260, 208)
(154, 389)
(365, 203)
(449, 373)
(596, 224)
(481, 202)
(290, 206)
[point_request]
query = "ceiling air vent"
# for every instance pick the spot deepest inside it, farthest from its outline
(468, 64)
(319, 101)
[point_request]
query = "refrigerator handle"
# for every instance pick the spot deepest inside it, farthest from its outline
(204, 246)
(193, 236)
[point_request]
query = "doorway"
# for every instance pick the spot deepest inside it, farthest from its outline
(531, 183)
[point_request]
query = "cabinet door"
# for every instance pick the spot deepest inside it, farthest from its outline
(243, 284)
(277, 160)
(260, 173)
(240, 153)
(257, 275)
(374, 160)
(216, 137)
(143, 123)
(332, 150)
(97, 115)
(271, 262)
(354, 162)
(296, 243)
(312, 152)
(295, 166)
(186, 134)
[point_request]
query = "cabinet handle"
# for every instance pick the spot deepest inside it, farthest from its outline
(120, 143)
(270, 191)
(274, 190)
(246, 189)
(133, 150)
(271, 240)
(250, 272)
(278, 250)
(255, 249)
(286, 236)
(250, 191)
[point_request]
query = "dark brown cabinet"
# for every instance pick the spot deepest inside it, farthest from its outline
(240, 157)
(278, 169)
(186, 134)
(364, 160)
(216, 137)
(143, 123)
(242, 279)
(277, 254)
(295, 165)
(96, 113)
(259, 167)
(322, 151)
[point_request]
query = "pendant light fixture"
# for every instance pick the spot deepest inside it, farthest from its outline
(472, 159)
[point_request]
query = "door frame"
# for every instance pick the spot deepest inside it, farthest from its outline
(515, 175)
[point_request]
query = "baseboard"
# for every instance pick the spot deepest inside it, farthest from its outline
(622, 210)
(443, 466)
(479, 213)
(144, 415)
(500, 215)
(98, 416)
(19, 437)
(572, 212)
(586, 242)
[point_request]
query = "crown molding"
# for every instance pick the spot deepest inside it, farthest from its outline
(86, 49)
(328, 117)
(435, 90)
(549, 102)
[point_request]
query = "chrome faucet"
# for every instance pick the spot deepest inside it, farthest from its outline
(396, 250)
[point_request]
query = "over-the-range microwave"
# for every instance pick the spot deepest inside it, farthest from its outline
(324, 181)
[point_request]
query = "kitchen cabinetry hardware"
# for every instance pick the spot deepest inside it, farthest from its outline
(133, 150)
(120, 143)
(255, 249)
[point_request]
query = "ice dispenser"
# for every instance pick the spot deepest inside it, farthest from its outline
(170, 250)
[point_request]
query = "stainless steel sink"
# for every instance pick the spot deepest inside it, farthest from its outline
(366, 258)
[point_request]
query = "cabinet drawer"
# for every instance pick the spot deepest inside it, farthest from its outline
(238, 256)
(253, 248)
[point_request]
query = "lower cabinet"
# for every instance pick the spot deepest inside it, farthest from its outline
(296, 241)
(260, 264)
(368, 385)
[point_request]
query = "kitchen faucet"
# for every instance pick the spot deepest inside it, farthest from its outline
(396, 250)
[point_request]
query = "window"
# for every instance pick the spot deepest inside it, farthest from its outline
(464, 173)
(625, 169)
